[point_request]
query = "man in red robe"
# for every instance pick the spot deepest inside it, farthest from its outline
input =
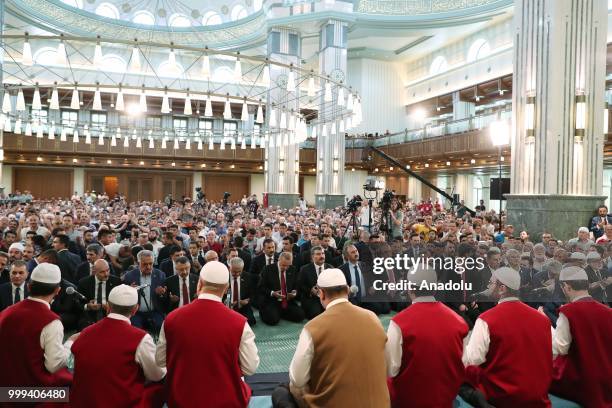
(508, 356)
(581, 344)
(31, 336)
(424, 349)
(122, 355)
(207, 348)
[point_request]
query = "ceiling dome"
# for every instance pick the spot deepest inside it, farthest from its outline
(177, 14)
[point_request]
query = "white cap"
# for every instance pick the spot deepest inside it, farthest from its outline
(593, 256)
(508, 277)
(577, 256)
(423, 274)
(330, 278)
(17, 245)
(123, 295)
(214, 272)
(113, 249)
(573, 273)
(46, 273)
(583, 229)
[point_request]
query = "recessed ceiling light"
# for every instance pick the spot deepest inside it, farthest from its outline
(142, 163)
(173, 164)
(203, 165)
(232, 166)
(75, 160)
(39, 158)
(109, 162)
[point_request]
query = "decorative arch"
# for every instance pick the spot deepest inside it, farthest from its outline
(143, 17)
(179, 20)
(438, 65)
(211, 18)
(108, 10)
(478, 50)
(238, 12)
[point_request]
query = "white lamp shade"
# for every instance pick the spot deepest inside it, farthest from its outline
(97, 101)
(17, 129)
(311, 87)
(135, 60)
(26, 54)
(119, 104)
(97, 59)
(165, 107)
(20, 106)
(245, 112)
(74, 102)
(206, 67)
(6, 103)
(260, 117)
(54, 100)
(327, 97)
(36, 104)
(143, 102)
(237, 70)
(187, 109)
(208, 108)
(61, 54)
(291, 81)
(227, 111)
(265, 76)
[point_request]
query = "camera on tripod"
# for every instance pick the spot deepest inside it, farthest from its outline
(353, 204)
(385, 201)
(200, 196)
(385, 206)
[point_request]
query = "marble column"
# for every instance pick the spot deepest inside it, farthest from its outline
(281, 167)
(2, 95)
(330, 148)
(558, 106)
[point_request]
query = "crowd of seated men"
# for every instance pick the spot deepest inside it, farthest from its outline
(99, 243)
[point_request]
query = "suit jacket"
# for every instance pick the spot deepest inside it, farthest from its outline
(158, 279)
(594, 228)
(6, 295)
(173, 286)
(167, 267)
(65, 303)
(594, 276)
(366, 277)
(259, 263)
(31, 265)
(365, 254)
(87, 286)
(246, 258)
(68, 263)
(246, 288)
(307, 279)
(270, 281)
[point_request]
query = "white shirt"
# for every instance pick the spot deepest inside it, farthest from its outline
(475, 353)
(21, 291)
(393, 348)
(353, 272)
(562, 336)
(248, 354)
(299, 370)
(145, 353)
(103, 290)
(51, 337)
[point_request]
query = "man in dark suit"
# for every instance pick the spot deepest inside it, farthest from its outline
(68, 307)
(96, 289)
(16, 290)
(307, 283)
(94, 252)
(150, 315)
(315, 240)
(240, 290)
(180, 287)
(278, 290)
(600, 221)
(48, 256)
(243, 253)
(268, 257)
(66, 260)
(167, 266)
(287, 246)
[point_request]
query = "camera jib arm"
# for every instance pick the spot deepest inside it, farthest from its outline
(416, 176)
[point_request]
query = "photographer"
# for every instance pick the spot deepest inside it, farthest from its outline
(397, 218)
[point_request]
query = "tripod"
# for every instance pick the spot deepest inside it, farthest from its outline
(352, 223)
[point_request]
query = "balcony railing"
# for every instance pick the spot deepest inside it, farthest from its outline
(420, 7)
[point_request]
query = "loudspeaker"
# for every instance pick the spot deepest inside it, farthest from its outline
(496, 191)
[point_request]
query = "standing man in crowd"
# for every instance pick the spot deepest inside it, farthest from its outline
(581, 344)
(508, 356)
(340, 357)
(126, 363)
(207, 347)
(31, 336)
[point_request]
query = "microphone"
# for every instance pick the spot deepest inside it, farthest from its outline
(354, 289)
(72, 291)
(142, 286)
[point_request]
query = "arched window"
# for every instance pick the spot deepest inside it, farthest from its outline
(166, 69)
(438, 65)
(45, 56)
(223, 74)
(107, 10)
(478, 50)
(179, 20)
(143, 17)
(211, 18)
(112, 62)
(74, 3)
(238, 12)
(257, 4)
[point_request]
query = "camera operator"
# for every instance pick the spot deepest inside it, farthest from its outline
(397, 218)
(253, 205)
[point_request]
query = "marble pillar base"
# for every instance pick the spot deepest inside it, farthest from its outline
(329, 201)
(560, 215)
(283, 200)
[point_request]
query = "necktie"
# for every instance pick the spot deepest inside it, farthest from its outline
(319, 270)
(284, 303)
(358, 282)
(235, 294)
(99, 294)
(185, 292)
(17, 295)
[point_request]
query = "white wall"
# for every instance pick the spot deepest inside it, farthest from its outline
(78, 180)
(257, 185)
(310, 188)
(353, 182)
(380, 86)
(7, 178)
